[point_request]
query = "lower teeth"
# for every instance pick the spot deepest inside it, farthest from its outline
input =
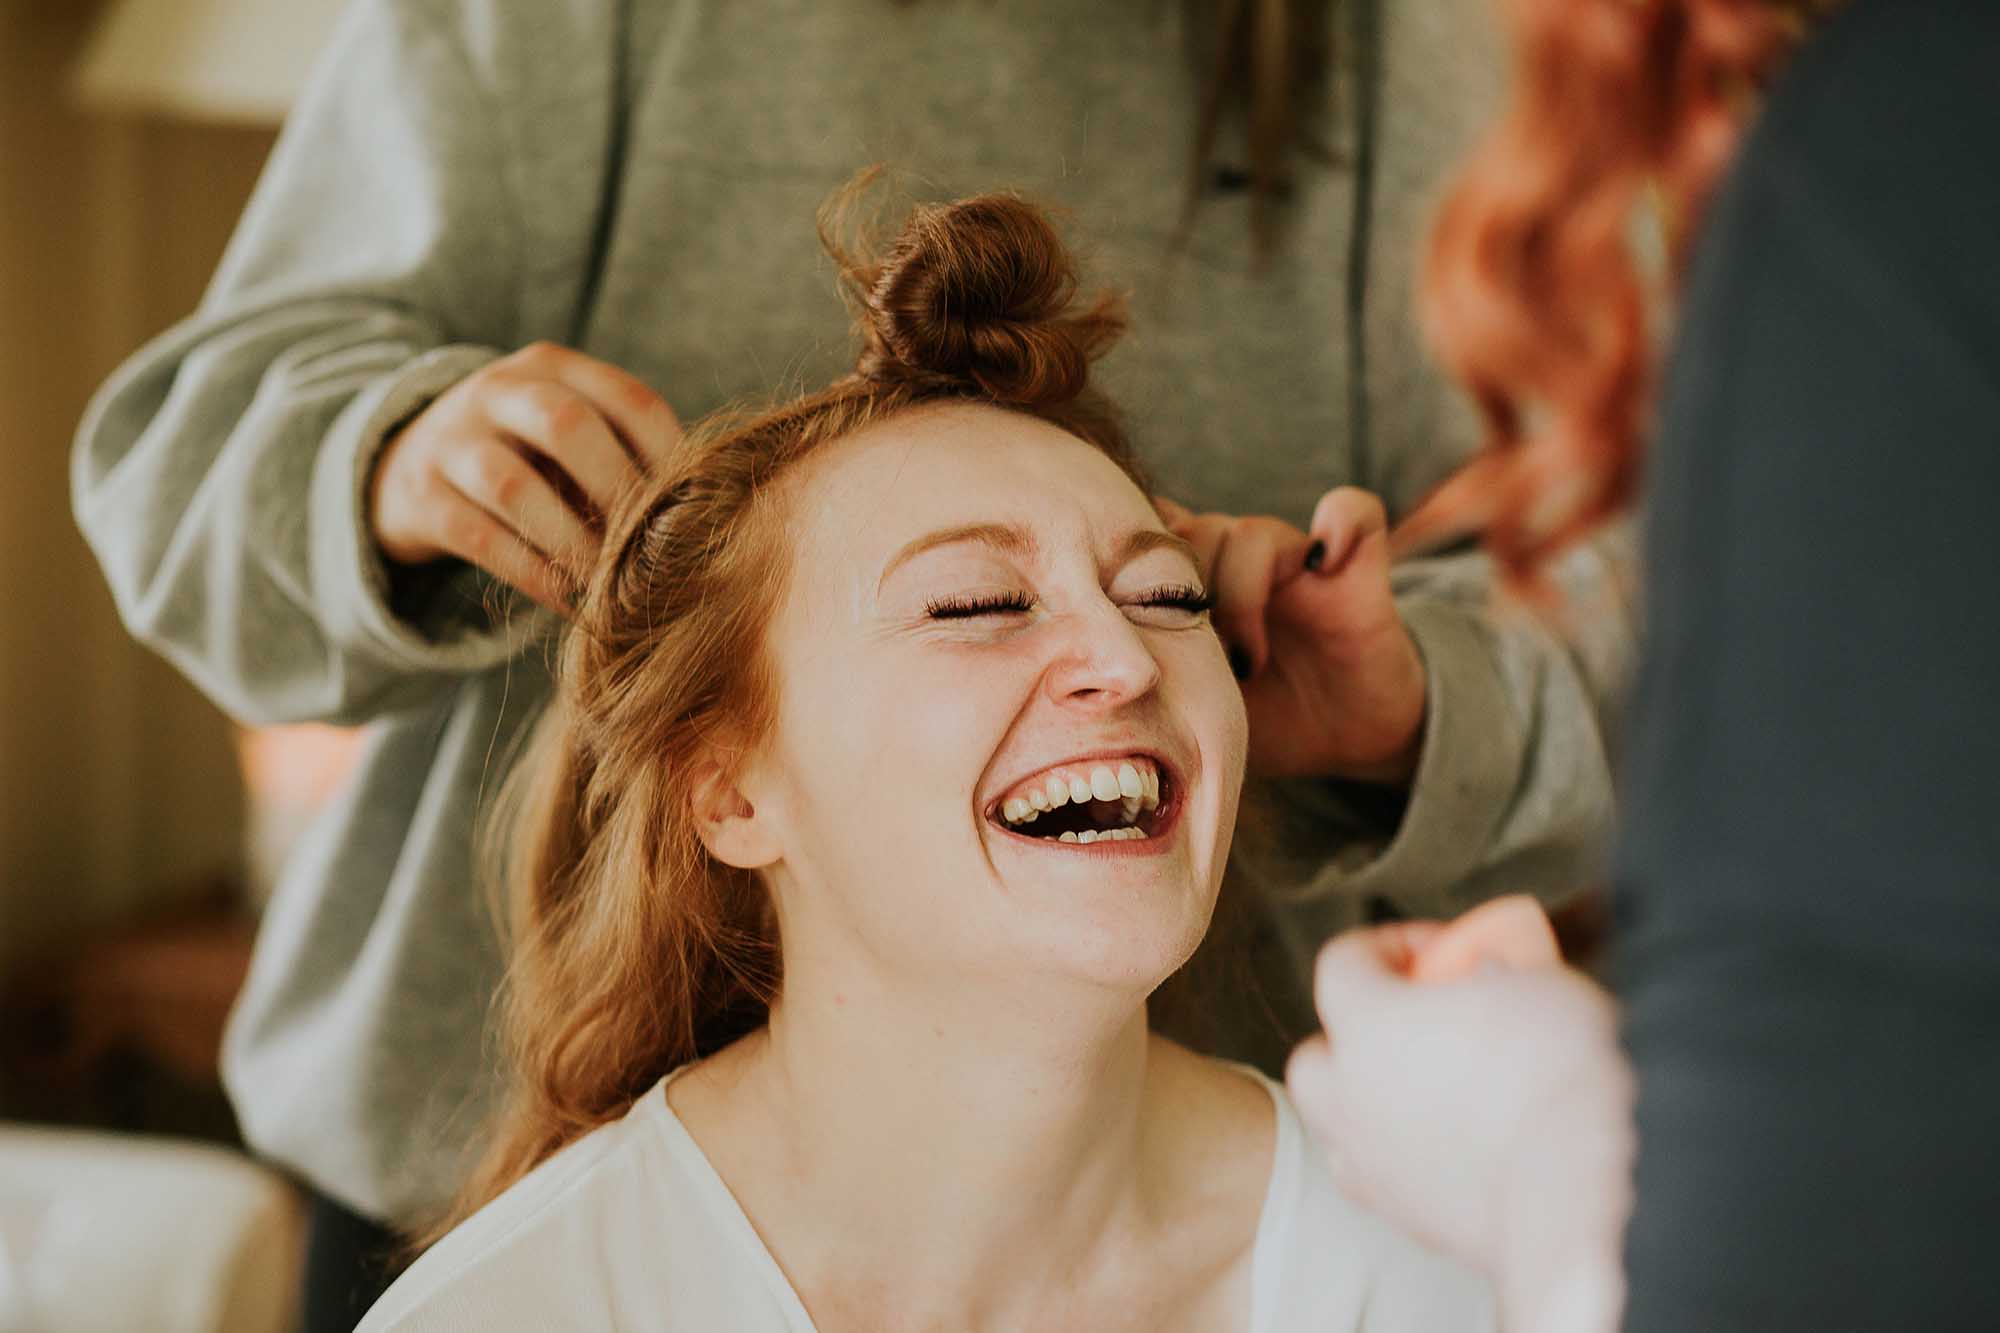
(1108, 835)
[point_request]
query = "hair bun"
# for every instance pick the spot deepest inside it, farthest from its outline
(982, 291)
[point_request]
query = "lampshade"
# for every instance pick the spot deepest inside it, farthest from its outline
(238, 61)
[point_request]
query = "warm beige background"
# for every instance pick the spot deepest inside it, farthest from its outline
(118, 787)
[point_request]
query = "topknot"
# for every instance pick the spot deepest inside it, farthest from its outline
(980, 293)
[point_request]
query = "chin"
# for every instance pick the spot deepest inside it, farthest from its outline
(1118, 948)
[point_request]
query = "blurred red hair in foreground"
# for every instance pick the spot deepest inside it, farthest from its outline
(1532, 294)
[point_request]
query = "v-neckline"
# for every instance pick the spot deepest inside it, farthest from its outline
(1266, 1261)
(722, 1200)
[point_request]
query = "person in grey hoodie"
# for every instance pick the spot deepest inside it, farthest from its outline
(503, 248)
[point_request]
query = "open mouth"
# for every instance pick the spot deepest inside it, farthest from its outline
(1127, 799)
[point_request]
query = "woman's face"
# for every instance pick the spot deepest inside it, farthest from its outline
(1008, 742)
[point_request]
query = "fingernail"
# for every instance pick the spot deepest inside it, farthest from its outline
(1315, 555)
(1239, 662)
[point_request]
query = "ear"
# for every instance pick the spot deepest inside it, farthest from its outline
(729, 824)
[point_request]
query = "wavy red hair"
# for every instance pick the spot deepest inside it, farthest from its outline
(1533, 296)
(632, 950)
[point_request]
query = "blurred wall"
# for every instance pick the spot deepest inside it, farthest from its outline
(118, 784)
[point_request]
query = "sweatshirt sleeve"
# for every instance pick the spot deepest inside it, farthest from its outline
(220, 475)
(1513, 788)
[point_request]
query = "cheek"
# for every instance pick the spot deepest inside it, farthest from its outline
(1235, 726)
(1213, 704)
(875, 733)
(948, 711)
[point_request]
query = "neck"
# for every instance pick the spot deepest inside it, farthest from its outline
(978, 1152)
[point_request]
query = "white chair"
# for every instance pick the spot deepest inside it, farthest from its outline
(125, 1233)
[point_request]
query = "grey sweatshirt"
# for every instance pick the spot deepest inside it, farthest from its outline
(638, 180)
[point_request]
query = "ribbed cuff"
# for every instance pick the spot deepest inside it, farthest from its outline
(1466, 770)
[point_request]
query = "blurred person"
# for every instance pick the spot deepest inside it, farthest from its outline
(893, 763)
(503, 248)
(1805, 906)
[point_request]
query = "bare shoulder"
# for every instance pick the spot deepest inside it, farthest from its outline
(1223, 1110)
(1211, 1132)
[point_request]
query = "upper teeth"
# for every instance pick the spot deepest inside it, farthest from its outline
(1133, 783)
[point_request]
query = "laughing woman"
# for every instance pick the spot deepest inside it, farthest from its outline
(894, 767)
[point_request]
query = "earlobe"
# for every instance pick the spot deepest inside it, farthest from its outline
(729, 823)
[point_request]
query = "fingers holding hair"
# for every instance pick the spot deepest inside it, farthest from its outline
(568, 435)
(643, 422)
(1255, 557)
(500, 481)
(1343, 522)
(1243, 561)
(476, 537)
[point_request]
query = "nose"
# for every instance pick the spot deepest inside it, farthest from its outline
(1102, 662)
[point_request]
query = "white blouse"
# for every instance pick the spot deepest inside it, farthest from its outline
(630, 1228)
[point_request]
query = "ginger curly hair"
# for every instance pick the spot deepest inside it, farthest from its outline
(1533, 296)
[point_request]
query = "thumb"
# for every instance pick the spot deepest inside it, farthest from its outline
(1360, 963)
(1341, 586)
(1342, 522)
(1513, 931)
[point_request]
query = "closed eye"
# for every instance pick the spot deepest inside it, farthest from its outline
(1181, 597)
(1177, 596)
(983, 604)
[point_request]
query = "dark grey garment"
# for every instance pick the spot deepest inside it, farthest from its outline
(1808, 889)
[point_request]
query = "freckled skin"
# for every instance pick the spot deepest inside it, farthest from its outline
(897, 730)
(982, 1087)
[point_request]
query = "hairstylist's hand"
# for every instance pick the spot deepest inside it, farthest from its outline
(1332, 681)
(1487, 1114)
(513, 468)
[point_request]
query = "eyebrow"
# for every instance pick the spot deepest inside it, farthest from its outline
(1017, 540)
(1009, 537)
(1142, 540)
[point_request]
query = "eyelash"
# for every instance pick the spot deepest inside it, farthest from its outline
(964, 608)
(1180, 597)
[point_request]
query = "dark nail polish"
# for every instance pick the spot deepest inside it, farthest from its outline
(1239, 662)
(1315, 555)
